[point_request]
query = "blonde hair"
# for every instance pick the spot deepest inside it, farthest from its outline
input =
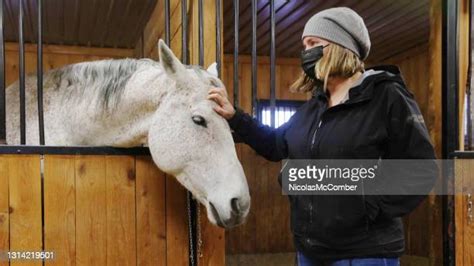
(338, 62)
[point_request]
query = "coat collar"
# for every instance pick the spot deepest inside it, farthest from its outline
(365, 89)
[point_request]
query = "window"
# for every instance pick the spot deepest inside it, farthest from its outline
(284, 109)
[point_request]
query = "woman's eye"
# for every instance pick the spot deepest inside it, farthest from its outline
(199, 120)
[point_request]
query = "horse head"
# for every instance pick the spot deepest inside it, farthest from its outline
(190, 141)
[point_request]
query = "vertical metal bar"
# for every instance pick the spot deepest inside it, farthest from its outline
(469, 117)
(236, 52)
(218, 37)
(201, 33)
(21, 43)
(167, 22)
(39, 72)
(272, 62)
(184, 30)
(3, 133)
(450, 125)
(254, 58)
(191, 204)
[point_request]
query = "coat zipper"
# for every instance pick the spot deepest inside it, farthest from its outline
(314, 134)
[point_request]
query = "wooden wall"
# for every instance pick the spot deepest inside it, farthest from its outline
(98, 210)
(267, 229)
(463, 213)
(55, 56)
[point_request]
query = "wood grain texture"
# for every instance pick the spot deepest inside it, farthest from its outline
(469, 227)
(55, 56)
(177, 237)
(25, 205)
(286, 72)
(60, 209)
(91, 212)
(151, 212)
(464, 225)
(120, 198)
(4, 206)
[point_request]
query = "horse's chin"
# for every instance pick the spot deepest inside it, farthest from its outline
(215, 218)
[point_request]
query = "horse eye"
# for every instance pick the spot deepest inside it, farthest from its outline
(199, 120)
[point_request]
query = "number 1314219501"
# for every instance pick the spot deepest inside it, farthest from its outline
(26, 255)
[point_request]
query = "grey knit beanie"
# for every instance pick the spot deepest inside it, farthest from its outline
(340, 25)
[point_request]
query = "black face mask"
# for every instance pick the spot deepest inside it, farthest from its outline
(309, 58)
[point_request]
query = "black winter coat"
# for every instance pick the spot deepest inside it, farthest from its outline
(377, 121)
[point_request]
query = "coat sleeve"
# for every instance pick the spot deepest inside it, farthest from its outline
(265, 140)
(409, 140)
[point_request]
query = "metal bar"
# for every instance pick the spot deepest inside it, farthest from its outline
(462, 155)
(236, 53)
(254, 58)
(167, 23)
(184, 30)
(450, 141)
(201, 33)
(218, 37)
(191, 204)
(39, 72)
(272, 63)
(73, 150)
(3, 133)
(469, 96)
(21, 43)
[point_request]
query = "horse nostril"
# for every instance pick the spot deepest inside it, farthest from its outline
(234, 203)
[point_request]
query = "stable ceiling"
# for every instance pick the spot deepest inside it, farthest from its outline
(394, 25)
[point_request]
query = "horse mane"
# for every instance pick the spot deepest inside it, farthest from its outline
(104, 79)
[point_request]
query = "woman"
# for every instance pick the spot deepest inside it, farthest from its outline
(353, 114)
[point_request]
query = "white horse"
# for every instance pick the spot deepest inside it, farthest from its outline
(130, 102)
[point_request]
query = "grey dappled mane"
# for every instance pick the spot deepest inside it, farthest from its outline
(107, 78)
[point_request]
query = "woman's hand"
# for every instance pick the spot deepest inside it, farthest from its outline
(224, 107)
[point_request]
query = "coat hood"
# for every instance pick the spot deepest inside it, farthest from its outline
(364, 89)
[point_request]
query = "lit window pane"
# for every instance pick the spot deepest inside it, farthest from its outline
(282, 114)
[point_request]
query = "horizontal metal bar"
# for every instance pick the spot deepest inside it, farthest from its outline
(73, 150)
(462, 155)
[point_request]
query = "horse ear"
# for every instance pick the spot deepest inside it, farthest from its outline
(212, 69)
(168, 60)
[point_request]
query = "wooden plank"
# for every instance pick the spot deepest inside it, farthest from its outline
(25, 205)
(71, 50)
(53, 57)
(60, 209)
(151, 213)
(468, 245)
(459, 210)
(121, 223)
(4, 204)
(91, 238)
(177, 236)
(212, 250)
(434, 120)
